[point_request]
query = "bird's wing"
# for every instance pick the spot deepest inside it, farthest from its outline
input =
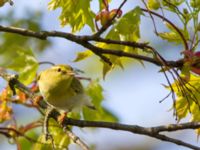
(76, 86)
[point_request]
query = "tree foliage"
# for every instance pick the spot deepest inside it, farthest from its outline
(115, 35)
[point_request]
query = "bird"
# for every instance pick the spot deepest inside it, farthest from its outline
(62, 90)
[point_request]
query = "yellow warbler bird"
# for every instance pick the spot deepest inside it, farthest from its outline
(61, 89)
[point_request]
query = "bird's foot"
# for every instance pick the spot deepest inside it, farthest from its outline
(61, 117)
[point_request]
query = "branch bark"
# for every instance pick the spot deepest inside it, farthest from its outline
(148, 131)
(77, 140)
(84, 41)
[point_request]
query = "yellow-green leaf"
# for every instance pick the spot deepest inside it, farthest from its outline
(173, 35)
(153, 4)
(106, 69)
(83, 55)
(195, 3)
(100, 114)
(26, 144)
(61, 140)
(172, 3)
(188, 98)
(76, 13)
(123, 30)
(25, 64)
(101, 4)
(181, 108)
(95, 91)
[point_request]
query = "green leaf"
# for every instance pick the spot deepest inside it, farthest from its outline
(106, 68)
(172, 3)
(43, 145)
(101, 4)
(153, 4)
(25, 64)
(61, 140)
(173, 35)
(195, 3)
(95, 91)
(26, 144)
(75, 13)
(101, 114)
(123, 30)
(185, 70)
(8, 40)
(181, 108)
(83, 55)
(188, 98)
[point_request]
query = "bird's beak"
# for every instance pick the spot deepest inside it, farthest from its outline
(71, 73)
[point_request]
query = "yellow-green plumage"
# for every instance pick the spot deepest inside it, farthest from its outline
(61, 89)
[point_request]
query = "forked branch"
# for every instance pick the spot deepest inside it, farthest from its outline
(148, 131)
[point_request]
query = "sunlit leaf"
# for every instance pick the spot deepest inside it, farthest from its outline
(83, 55)
(8, 40)
(60, 139)
(26, 144)
(172, 3)
(195, 3)
(123, 30)
(181, 108)
(76, 13)
(173, 35)
(189, 99)
(101, 114)
(101, 4)
(25, 64)
(106, 69)
(153, 4)
(5, 111)
(95, 91)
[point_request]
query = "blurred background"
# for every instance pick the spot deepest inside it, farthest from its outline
(132, 94)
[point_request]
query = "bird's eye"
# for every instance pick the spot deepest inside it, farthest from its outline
(59, 70)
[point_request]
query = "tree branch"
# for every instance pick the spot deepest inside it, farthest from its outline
(84, 41)
(148, 131)
(76, 139)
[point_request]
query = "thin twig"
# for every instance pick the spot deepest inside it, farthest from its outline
(47, 134)
(178, 142)
(153, 20)
(46, 62)
(168, 21)
(76, 139)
